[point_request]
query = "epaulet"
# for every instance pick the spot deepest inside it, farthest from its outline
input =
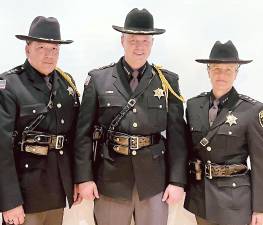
(16, 70)
(248, 99)
(105, 67)
(203, 94)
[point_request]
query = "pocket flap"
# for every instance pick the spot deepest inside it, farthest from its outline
(109, 101)
(233, 182)
(155, 102)
(28, 161)
(29, 110)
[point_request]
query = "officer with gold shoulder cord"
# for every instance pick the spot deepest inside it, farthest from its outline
(128, 105)
(226, 128)
(38, 109)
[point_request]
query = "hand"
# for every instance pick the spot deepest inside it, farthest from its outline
(14, 216)
(173, 194)
(88, 190)
(76, 196)
(257, 219)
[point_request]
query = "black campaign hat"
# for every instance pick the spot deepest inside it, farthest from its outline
(139, 22)
(223, 53)
(44, 29)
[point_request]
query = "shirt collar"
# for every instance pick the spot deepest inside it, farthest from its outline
(128, 70)
(223, 100)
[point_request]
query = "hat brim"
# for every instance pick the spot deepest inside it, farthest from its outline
(219, 61)
(155, 31)
(30, 38)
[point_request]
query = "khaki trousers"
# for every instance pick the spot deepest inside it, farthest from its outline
(50, 217)
(152, 211)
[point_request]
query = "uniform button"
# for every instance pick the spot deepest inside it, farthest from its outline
(134, 152)
(135, 125)
(62, 121)
(234, 185)
(160, 106)
(59, 105)
(26, 165)
(162, 152)
(61, 152)
(209, 148)
(134, 110)
(34, 111)
(192, 128)
(208, 161)
(229, 132)
(108, 104)
(38, 138)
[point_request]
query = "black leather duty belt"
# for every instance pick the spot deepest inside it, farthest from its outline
(126, 144)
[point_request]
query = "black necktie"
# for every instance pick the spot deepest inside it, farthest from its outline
(213, 112)
(134, 81)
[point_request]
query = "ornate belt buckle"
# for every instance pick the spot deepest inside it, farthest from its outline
(134, 143)
(59, 142)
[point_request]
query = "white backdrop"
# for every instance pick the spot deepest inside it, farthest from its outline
(192, 28)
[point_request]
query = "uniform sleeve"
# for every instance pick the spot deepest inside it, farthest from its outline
(176, 138)
(10, 194)
(83, 140)
(255, 142)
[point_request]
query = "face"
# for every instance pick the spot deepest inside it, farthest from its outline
(222, 76)
(137, 49)
(42, 56)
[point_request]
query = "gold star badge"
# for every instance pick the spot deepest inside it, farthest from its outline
(70, 91)
(231, 119)
(158, 93)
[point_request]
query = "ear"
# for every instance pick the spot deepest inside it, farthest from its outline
(122, 39)
(27, 50)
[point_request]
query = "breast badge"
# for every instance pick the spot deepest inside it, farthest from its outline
(158, 93)
(231, 119)
(70, 91)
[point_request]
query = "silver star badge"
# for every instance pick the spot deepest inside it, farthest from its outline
(70, 91)
(158, 93)
(231, 119)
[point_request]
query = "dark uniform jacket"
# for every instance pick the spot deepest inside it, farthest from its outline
(230, 200)
(104, 95)
(38, 183)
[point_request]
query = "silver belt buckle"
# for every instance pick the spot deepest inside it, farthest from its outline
(208, 171)
(204, 142)
(59, 142)
(134, 143)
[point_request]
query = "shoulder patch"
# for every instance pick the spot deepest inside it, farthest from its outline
(260, 118)
(87, 80)
(2, 84)
(17, 70)
(248, 99)
(104, 67)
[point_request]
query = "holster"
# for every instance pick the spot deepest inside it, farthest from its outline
(97, 137)
(33, 146)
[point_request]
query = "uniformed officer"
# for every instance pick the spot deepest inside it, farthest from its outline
(136, 171)
(38, 108)
(226, 128)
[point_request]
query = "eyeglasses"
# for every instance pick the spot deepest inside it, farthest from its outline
(227, 71)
